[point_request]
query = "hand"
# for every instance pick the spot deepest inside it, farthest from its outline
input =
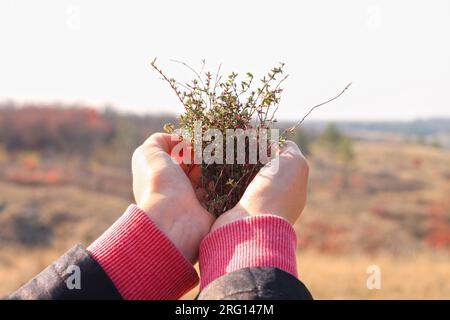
(278, 190)
(166, 191)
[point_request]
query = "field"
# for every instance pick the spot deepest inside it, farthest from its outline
(388, 207)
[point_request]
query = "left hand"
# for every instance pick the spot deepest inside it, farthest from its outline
(166, 191)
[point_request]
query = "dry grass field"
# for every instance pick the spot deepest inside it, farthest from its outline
(415, 276)
(389, 207)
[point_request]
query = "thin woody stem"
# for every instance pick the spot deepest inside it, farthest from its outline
(171, 83)
(293, 128)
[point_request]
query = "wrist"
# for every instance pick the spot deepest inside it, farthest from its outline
(235, 214)
(184, 232)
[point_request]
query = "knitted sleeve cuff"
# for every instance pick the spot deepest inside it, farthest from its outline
(141, 261)
(257, 241)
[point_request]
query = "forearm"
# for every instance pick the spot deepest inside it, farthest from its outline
(251, 258)
(257, 241)
(141, 261)
(74, 276)
(133, 259)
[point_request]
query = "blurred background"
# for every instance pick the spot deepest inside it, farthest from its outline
(77, 96)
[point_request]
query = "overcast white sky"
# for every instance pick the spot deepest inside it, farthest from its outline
(397, 53)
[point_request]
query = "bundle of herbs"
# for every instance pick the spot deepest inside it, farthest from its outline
(213, 101)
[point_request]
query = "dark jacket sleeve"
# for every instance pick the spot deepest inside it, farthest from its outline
(55, 283)
(260, 283)
(57, 280)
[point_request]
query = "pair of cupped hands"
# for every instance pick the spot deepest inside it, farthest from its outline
(168, 191)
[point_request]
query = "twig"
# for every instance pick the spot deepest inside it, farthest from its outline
(171, 82)
(278, 103)
(190, 68)
(293, 128)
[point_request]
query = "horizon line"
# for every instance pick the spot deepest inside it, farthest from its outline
(102, 106)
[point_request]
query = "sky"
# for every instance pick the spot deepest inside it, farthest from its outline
(396, 53)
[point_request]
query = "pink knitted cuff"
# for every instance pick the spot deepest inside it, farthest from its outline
(258, 241)
(141, 261)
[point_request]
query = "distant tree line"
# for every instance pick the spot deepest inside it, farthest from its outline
(111, 136)
(60, 129)
(72, 129)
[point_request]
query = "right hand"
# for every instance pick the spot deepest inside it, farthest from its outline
(279, 191)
